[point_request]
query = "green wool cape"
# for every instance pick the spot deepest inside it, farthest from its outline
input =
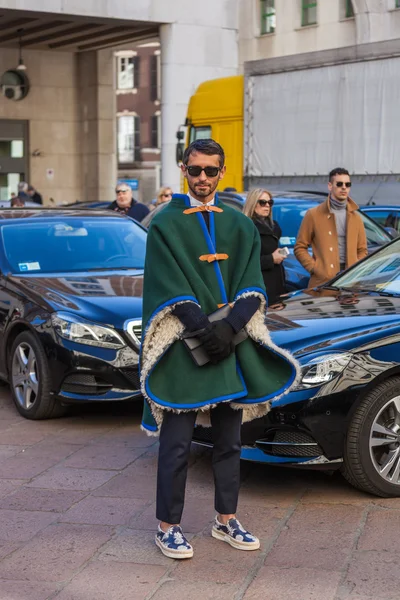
(258, 371)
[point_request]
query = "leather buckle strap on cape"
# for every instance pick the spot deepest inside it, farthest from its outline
(203, 208)
(212, 257)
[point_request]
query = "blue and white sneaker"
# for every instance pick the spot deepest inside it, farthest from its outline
(173, 543)
(235, 534)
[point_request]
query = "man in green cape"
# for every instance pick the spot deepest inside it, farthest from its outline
(201, 255)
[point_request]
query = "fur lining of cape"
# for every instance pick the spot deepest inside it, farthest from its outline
(165, 329)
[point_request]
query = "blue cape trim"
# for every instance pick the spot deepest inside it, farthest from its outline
(192, 406)
(252, 289)
(168, 303)
(149, 427)
(211, 248)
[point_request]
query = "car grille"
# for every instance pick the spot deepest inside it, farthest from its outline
(134, 330)
(79, 383)
(132, 376)
(202, 434)
(290, 443)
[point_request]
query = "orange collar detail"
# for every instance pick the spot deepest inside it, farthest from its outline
(203, 208)
(212, 257)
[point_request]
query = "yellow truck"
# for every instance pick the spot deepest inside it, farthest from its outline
(216, 111)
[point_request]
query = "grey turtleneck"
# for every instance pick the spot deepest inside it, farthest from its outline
(339, 210)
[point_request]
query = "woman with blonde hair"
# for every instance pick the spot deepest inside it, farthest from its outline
(258, 207)
(164, 195)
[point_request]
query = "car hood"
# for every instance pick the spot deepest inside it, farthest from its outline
(111, 297)
(324, 320)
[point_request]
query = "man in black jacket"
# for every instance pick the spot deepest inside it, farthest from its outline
(126, 204)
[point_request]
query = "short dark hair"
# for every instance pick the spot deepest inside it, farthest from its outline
(207, 146)
(338, 171)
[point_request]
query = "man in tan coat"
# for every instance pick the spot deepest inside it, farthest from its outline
(334, 230)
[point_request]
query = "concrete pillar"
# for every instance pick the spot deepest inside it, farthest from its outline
(190, 54)
(97, 104)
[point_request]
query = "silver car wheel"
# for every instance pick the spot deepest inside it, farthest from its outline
(24, 376)
(384, 441)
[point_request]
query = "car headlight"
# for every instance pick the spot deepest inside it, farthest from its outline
(78, 330)
(322, 369)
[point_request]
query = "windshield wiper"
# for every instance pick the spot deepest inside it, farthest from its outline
(336, 288)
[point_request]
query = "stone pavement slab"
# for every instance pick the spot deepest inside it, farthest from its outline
(56, 553)
(65, 478)
(33, 499)
(77, 521)
(274, 583)
(113, 581)
(103, 511)
(317, 536)
(20, 590)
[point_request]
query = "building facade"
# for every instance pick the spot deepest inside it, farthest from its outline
(138, 89)
(62, 136)
(275, 28)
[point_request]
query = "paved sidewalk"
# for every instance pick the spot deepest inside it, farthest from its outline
(77, 522)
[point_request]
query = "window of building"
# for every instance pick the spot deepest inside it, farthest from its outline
(308, 13)
(128, 127)
(127, 72)
(268, 18)
(155, 133)
(349, 10)
(155, 77)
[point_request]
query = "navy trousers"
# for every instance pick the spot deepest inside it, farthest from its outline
(175, 439)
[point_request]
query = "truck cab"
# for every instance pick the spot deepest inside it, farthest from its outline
(216, 111)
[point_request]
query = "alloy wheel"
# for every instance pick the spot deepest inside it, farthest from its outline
(24, 375)
(384, 441)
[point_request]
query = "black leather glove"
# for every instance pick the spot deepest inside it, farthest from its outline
(217, 340)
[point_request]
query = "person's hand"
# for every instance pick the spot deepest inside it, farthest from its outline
(217, 340)
(277, 257)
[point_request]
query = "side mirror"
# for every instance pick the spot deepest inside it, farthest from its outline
(393, 233)
(180, 146)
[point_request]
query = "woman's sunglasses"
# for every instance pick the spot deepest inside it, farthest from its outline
(342, 183)
(195, 171)
(265, 202)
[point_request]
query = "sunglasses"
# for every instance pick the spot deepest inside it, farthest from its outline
(265, 202)
(166, 195)
(121, 191)
(342, 183)
(195, 171)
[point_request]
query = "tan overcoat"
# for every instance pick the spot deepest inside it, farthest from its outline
(318, 230)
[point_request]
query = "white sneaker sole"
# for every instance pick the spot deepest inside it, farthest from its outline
(235, 543)
(179, 554)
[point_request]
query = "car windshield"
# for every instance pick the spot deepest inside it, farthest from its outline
(375, 235)
(289, 214)
(379, 273)
(73, 244)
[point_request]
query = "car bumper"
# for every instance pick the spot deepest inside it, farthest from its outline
(306, 428)
(82, 373)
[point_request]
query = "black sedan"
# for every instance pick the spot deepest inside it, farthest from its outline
(70, 307)
(345, 411)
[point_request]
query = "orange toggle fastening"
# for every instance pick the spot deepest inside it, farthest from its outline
(231, 304)
(212, 257)
(203, 208)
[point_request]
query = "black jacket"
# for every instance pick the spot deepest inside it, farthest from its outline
(136, 211)
(274, 275)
